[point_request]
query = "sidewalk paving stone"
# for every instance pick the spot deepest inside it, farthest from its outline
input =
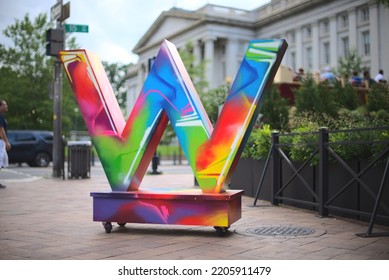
(47, 218)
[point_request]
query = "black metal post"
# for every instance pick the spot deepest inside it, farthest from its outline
(154, 165)
(58, 169)
(275, 136)
(57, 120)
(376, 205)
(323, 171)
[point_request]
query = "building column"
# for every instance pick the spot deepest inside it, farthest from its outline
(352, 29)
(374, 45)
(285, 59)
(333, 43)
(209, 54)
(142, 74)
(197, 52)
(315, 47)
(299, 48)
(231, 58)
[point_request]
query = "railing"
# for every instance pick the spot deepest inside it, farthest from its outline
(274, 7)
(319, 193)
(216, 10)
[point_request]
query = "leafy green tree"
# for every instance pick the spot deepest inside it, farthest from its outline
(116, 73)
(317, 98)
(346, 65)
(196, 71)
(25, 76)
(213, 101)
(275, 110)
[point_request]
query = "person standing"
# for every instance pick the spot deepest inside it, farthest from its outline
(4, 143)
(379, 78)
(368, 80)
(328, 76)
(356, 80)
(300, 77)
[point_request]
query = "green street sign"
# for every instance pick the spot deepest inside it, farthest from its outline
(76, 28)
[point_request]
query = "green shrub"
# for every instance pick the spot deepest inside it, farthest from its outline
(317, 98)
(304, 144)
(275, 110)
(334, 107)
(348, 119)
(351, 150)
(324, 98)
(304, 96)
(258, 144)
(379, 118)
(346, 97)
(379, 148)
(378, 98)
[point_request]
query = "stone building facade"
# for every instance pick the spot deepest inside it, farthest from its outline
(318, 32)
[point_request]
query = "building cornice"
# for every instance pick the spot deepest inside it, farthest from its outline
(172, 13)
(200, 19)
(266, 14)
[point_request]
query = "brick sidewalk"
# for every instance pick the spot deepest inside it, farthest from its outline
(46, 218)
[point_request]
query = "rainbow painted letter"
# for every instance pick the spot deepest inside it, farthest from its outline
(126, 148)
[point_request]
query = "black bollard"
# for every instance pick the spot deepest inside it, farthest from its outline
(154, 165)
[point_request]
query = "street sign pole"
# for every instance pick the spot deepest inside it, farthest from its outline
(58, 15)
(58, 168)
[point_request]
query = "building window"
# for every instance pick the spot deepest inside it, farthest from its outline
(366, 42)
(364, 14)
(345, 47)
(326, 50)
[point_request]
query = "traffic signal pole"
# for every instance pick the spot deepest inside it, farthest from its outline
(58, 166)
(58, 160)
(55, 42)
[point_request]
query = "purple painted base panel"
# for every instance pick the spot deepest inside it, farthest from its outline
(177, 207)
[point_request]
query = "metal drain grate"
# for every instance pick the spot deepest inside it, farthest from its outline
(281, 231)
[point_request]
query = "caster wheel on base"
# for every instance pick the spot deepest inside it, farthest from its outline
(107, 226)
(221, 230)
(121, 224)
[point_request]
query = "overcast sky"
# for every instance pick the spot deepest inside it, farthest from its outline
(115, 26)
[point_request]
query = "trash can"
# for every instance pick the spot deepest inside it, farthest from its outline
(79, 159)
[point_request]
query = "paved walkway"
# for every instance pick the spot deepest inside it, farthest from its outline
(46, 218)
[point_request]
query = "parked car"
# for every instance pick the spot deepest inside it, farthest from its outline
(33, 147)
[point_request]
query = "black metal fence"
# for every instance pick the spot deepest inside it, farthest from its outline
(326, 181)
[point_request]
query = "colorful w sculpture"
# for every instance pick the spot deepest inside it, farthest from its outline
(126, 149)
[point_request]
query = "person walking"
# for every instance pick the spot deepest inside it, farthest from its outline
(4, 143)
